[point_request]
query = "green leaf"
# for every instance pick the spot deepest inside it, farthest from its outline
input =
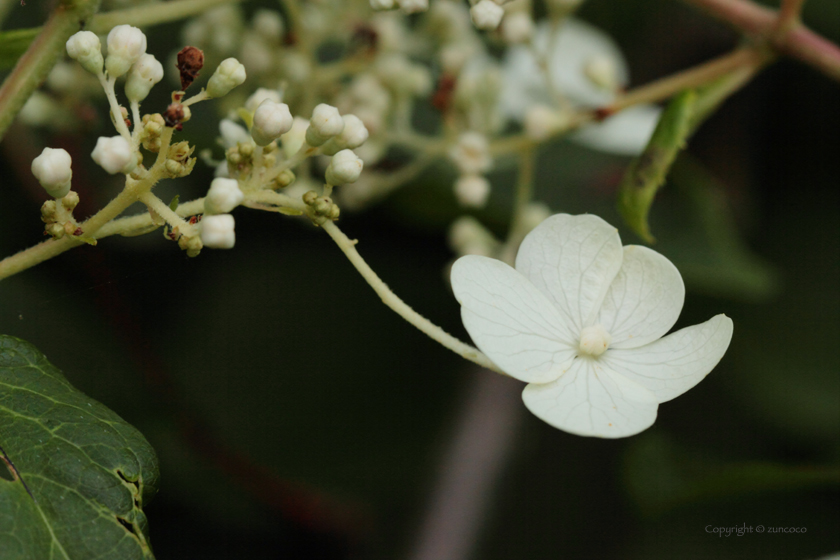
(14, 43)
(648, 171)
(661, 474)
(173, 204)
(80, 474)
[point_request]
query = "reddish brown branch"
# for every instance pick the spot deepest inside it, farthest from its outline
(788, 35)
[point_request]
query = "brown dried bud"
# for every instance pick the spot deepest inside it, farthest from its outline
(190, 61)
(173, 115)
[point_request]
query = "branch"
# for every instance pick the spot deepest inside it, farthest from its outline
(153, 14)
(783, 31)
(32, 68)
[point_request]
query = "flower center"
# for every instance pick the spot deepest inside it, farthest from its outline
(594, 340)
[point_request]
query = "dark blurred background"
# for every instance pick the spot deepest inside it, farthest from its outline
(295, 416)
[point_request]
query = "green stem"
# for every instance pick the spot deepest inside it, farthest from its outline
(153, 14)
(402, 309)
(40, 57)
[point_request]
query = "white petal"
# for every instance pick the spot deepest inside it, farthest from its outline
(572, 260)
(510, 320)
(672, 365)
(625, 133)
(591, 400)
(645, 299)
(574, 45)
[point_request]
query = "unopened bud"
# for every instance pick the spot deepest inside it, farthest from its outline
(344, 168)
(126, 44)
(228, 75)
(85, 47)
(52, 169)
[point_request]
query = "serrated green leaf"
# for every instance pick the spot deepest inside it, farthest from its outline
(648, 171)
(81, 474)
(14, 43)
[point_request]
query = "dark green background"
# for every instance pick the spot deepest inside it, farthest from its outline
(277, 357)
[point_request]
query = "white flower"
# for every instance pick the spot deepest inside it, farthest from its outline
(486, 14)
(217, 232)
(52, 169)
(471, 154)
(344, 168)
(271, 120)
(114, 155)
(126, 44)
(381, 4)
(354, 135)
(472, 190)
(293, 140)
(579, 53)
(85, 47)
(227, 76)
(142, 76)
(413, 6)
(224, 195)
(581, 320)
(261, 95)
(232, 134)
(325, 123)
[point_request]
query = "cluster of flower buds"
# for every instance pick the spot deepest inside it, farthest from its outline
(471, 156)
(321, 208)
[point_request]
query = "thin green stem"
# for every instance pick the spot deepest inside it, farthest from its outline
(153, 14)
(402, 309)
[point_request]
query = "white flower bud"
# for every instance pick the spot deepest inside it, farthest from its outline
(85, 47)
(126, 44)
(271, 120)
(472, 154)
(325, 123)
(381, 4)
(227, 76)
(52, 169)
(344, 168)
(294, 139)
(472, 190)
(224, 195)
(268, 24)
(518, 28)
(468, 237)
(603, 72)
(534, 214)
(232, 134)
(486, 14)
(413, 6)
(114, 155)
(261, 95)
(142, 76)
(542, 122)
(354, 135)
(217, 232)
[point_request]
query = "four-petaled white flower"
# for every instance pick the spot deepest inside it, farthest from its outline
(582, 320)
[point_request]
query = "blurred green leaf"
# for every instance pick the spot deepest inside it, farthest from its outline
(648, 171)
(79, 474)
(14, 43)
(713, 257)
(661, 475)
